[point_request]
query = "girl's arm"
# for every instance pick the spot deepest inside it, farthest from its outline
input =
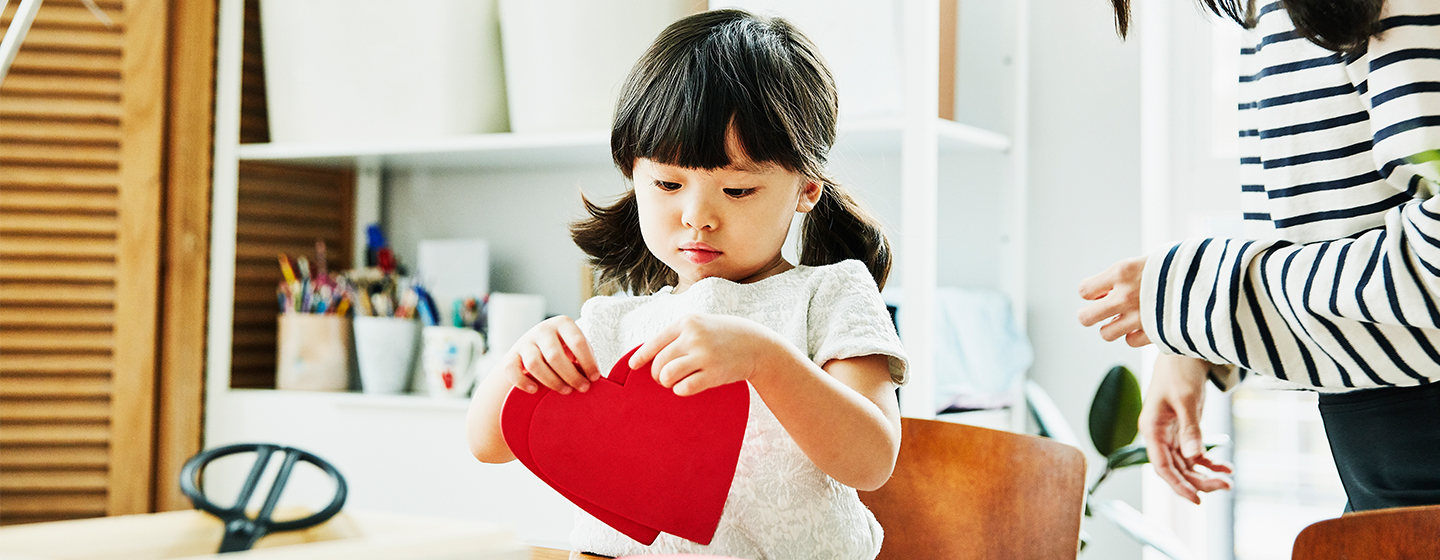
(844, 417)
(554, 353)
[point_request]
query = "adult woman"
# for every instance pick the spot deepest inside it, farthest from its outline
(1337, 290)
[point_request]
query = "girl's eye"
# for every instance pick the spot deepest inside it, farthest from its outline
(666, 185)
(738, 193)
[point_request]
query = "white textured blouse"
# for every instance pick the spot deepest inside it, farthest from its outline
(780, 505)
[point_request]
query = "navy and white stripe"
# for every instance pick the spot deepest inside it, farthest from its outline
(1340, 286)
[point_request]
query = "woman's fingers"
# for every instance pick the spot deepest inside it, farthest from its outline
(1123, 325)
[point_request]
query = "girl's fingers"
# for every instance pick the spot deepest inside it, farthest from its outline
(534, 364)
(579, 349)
(516, 371)
(651, 348)
(558, 359)
(674, 370)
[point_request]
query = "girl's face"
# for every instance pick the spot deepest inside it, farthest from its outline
(729, 222)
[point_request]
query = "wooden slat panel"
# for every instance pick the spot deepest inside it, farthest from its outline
(73, 40)
(50, 201)
(60, 179)
(90, 481)
(42, 388)
(54, 456)
(56, 85)
(89, 410)
(262, 231)
(255, 316)
(44, 154)
(265, 210)
(52, 224)
(66, 64)
(36, 246)
(74, 15)
(76, 365)
(22, 128)
(52, 109)
(73, 433)
(15, 269)
(16, 293)
(66, 505)
(57, 341)
(260, 187)
(41, 317)
(247, 358)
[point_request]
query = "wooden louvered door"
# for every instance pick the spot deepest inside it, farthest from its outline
(85, 177)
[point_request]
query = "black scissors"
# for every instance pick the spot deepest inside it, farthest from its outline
(241, 531)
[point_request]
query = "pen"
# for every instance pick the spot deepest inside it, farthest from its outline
(286, 270)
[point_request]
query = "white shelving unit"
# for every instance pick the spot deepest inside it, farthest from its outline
(441, 482)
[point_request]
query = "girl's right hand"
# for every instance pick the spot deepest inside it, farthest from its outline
(553, 353)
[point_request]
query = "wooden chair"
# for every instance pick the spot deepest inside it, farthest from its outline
(1388, 534)
(961, 492)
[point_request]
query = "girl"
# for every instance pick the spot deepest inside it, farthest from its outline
(723, 128)
(1338, 291)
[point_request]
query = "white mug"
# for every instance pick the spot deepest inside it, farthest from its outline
(450, 360)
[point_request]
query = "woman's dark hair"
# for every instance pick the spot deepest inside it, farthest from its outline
(1337, 25)
(704, 76)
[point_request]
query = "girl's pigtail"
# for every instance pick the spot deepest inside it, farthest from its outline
(838, 228)
(612, 239)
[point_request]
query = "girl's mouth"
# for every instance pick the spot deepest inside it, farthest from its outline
(699, 253)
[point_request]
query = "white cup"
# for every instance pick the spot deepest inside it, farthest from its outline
(450, 360)
(385, 349)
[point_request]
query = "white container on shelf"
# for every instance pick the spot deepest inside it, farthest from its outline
(385, 352)
(565, 60)
(354, 70)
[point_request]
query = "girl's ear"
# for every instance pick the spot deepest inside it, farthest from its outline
(809, 195)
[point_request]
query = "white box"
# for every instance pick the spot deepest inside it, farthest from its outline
(364, 70)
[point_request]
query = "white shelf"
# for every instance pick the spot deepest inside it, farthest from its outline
(512, 150)
(352, 399)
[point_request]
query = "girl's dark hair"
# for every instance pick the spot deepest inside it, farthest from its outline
(705, 75)
(1336, 25)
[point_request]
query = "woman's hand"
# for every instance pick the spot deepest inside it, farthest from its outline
(700, 352)
(1170, 424)
(553, 353)
(1116, 293)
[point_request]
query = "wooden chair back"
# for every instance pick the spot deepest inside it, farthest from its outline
(962, 492)
(1389, 534)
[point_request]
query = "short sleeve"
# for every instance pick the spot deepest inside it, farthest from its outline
(847, 319)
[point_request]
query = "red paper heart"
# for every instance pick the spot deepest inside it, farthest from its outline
(632, 453)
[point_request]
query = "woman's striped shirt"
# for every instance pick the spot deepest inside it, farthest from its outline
(1339, 287)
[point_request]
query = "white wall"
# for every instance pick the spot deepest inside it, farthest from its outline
(1083, 212)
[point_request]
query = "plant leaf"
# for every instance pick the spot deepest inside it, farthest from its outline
(1115, 412)
(1128, 456)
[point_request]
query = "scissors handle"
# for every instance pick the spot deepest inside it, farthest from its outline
(241, 530)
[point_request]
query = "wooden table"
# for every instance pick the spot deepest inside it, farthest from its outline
(542, 553)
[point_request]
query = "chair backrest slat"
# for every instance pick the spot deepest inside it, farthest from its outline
(963, 492)
(1389, 534)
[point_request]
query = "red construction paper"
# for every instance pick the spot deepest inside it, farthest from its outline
(632, 453)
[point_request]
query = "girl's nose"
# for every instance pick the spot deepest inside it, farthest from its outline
(699, 214)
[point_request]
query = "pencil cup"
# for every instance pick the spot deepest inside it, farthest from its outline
(385, 349)
(450, 360)
(312, 352)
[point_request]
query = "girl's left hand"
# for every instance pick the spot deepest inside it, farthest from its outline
(699, 352)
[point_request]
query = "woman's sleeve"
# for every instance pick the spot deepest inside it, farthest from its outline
(847, 318)
(1355, 312)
